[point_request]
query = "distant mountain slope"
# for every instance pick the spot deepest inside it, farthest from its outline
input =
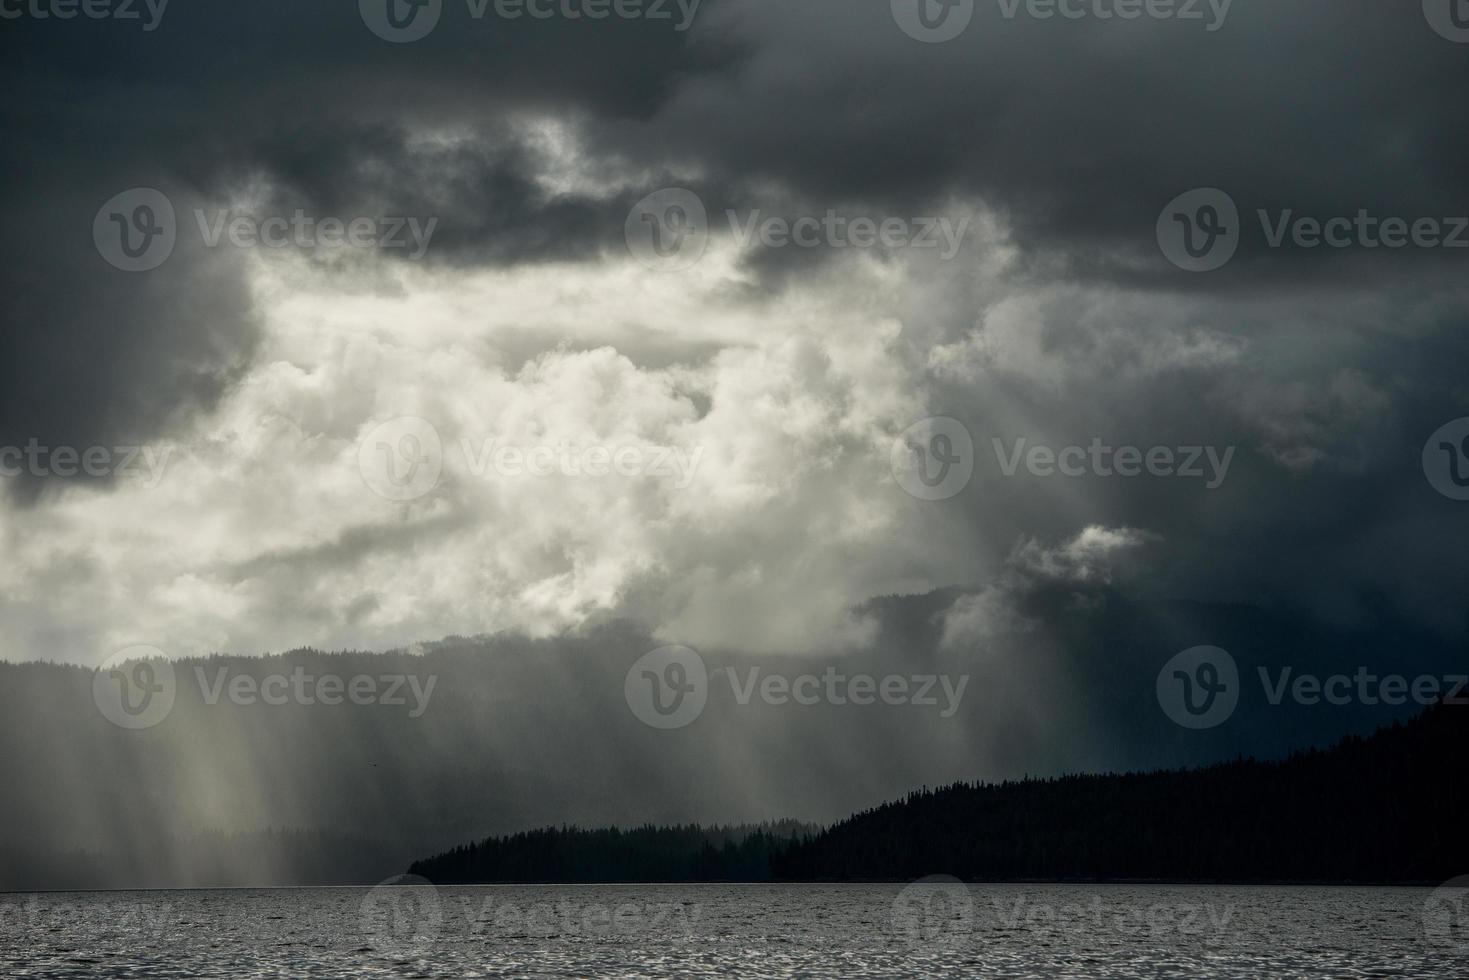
(522, 733)
(1388, 808)
(1384, 809)
(645, 854)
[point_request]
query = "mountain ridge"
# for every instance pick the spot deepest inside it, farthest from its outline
(1379, 809)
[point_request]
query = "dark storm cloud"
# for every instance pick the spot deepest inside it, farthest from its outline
(1079, 133)
(1324, 370)
(302, 98)
(1326, 403)
(1074, 133)
(91, 356)
(488, 206)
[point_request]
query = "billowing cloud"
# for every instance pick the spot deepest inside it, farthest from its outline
(772, 378)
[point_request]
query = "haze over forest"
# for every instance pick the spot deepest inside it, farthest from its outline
(548, 419)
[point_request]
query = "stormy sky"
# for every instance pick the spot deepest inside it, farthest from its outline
(771, 379)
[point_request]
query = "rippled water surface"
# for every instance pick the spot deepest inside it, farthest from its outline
(937, 929)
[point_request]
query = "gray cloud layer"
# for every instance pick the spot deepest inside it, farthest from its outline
(791, 370)
(1327, 369)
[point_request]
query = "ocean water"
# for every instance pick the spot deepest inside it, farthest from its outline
(931, 928)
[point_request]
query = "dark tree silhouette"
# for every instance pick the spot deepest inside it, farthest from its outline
(1384, 809)
(645, 854)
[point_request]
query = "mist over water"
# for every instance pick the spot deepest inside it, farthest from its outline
(467, 739)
